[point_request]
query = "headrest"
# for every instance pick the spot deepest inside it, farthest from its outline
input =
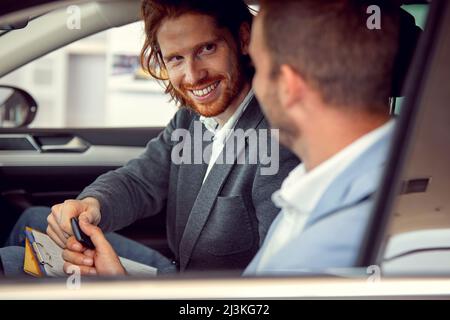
(408, 37)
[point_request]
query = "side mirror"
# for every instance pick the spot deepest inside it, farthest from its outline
(17, 107)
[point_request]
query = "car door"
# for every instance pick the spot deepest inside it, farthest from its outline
(52, 170)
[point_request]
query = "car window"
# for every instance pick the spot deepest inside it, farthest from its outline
(419, 12)
(95, 82)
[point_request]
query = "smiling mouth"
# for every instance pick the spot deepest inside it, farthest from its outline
(201, 93)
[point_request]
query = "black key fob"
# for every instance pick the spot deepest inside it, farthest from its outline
(80, 235)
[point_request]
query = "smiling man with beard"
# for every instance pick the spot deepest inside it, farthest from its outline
(217, 213)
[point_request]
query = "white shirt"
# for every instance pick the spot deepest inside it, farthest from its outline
(301, 191)
(221, 133)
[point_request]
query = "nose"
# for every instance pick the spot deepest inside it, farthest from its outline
(194, 71)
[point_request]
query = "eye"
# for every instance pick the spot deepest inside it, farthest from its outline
(208, 48)
(175, 59)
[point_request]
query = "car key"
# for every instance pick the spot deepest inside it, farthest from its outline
(80, 235)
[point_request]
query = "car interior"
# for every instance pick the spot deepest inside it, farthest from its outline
(414, 237)
(410, 229)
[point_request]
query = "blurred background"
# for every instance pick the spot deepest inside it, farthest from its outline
(95, 82)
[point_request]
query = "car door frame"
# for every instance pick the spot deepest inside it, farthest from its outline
(373, 246)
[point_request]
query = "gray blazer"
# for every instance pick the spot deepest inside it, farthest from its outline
(217, 225)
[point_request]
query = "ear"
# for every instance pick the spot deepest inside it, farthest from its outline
(244, 36)
(291, 87)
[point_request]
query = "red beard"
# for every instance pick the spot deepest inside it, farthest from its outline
(232, 87)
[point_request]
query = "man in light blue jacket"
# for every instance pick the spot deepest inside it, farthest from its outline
(324, 77)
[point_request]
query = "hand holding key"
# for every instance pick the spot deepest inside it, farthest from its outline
(102, 260)
(59, 225)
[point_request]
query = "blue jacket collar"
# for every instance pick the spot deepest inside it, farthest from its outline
(358, 182)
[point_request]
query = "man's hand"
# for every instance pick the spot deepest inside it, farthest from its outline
(102, 261)
(59, 227)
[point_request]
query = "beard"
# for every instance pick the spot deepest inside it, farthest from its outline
(277, 119)
(232, 85)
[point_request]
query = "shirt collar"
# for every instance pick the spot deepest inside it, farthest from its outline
(302, 190)
(213, 126)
